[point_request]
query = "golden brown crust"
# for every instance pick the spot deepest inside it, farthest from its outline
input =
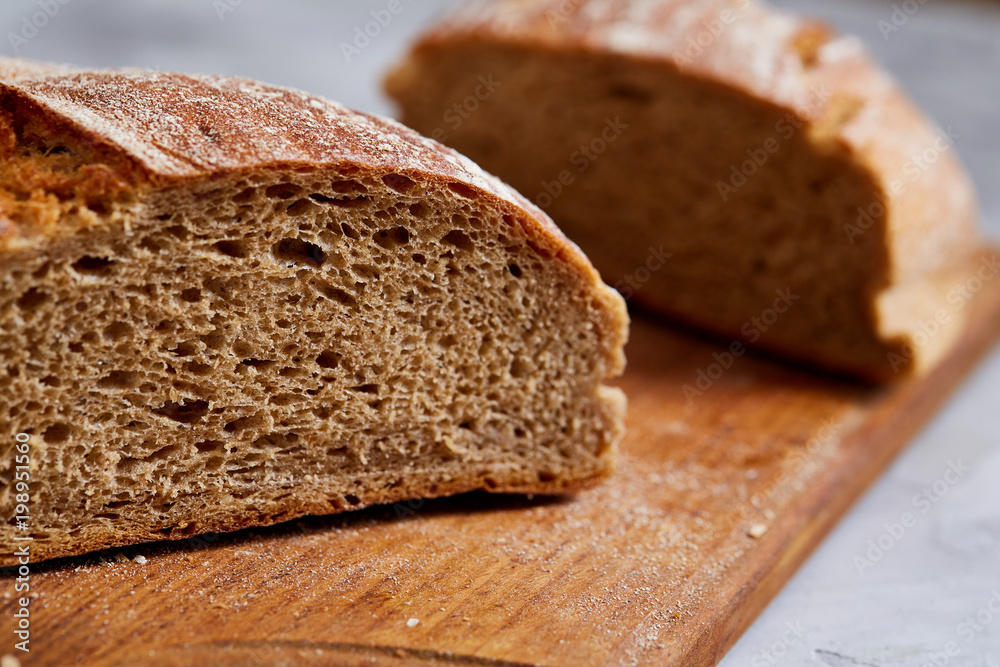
(168, 128)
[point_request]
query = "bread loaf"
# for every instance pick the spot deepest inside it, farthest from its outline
(729, 166)
(225, 304)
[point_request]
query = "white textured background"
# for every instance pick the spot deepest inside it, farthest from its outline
(906, 609)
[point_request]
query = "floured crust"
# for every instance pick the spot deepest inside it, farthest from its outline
(168, 128)
(13, 69)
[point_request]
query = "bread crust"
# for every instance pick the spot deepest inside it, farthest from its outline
(170, 128)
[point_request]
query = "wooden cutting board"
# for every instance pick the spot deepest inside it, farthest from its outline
(718, 500)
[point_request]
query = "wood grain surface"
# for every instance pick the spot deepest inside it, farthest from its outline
(719, 498)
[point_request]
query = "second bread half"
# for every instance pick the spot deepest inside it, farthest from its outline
(730, 166)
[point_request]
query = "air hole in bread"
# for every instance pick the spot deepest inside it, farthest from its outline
(198, 369)
(163, 454)
(96, 266)
(392, 238)
(348, 187)
(244, 196)
(208, 445)
(152, 245)
(214, 341)
(519, 368)
(119, 380)
(259, 364)
(186, 412)
(237, 425)
(32, 299)
(398, 182)
(191, 295)
(236, 249)
(283, 191)
(335, 294)
(459, 239)
(117, 331)
(300, 207)
(186, 348)
(299, 251)
(323, 199)
(462, 190)
(328, 360)
(179, 231)
(56, 433)
(349, 231)
(343, 202)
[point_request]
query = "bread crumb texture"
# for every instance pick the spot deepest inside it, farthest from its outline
(235, 323)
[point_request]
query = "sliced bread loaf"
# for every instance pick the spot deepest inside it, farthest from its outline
(727, 165)
(225, 304)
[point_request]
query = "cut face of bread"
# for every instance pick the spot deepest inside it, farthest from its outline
(225, 304)
(725, 165)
